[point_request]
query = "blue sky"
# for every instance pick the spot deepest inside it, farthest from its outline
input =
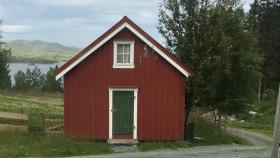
(75, 22)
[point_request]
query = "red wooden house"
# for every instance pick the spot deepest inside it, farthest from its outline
(124, 85)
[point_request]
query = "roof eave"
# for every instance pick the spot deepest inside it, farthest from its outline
(123, 24)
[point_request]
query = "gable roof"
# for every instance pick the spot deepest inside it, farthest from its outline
(125, 22)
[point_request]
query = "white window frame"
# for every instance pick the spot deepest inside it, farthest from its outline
(111, 90)
(123, 65)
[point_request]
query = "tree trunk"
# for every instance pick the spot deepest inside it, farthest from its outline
(197, 109)
(215, 120)
(225, 122)
(219, 120)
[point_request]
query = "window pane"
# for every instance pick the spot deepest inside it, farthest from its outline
(126, 58)
(120, 49)
(119, 58)
(127, 48)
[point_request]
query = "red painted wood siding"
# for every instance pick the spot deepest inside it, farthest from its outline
(161, 95)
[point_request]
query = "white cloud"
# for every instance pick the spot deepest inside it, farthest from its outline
(76, 22)
(246, 4)
(105, 4)
(15, 28)
(1, 11)
(62, 3)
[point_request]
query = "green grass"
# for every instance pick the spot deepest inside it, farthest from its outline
(40, 52)
(210, 134)
(50, 58)
(263, 131)
(254, 126)
(34, 143)
(263, 123)
(34, 106)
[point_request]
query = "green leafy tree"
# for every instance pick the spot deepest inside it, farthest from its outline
(36, 79)
(5, 54)
(180, 23)
(21, 82)
(264, 20)
(28, 77)
(50, 83)
(215, 42)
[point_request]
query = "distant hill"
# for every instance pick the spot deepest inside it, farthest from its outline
(40, 52)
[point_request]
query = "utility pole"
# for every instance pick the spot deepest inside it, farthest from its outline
(276, 132)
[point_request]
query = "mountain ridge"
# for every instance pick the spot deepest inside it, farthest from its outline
(37, 51)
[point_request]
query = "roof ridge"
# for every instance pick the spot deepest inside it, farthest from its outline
(121, 24)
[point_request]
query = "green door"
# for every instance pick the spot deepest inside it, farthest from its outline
(123, 109)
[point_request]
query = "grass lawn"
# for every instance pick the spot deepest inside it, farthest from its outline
(34, 143)
(263, 124)
(254, 126)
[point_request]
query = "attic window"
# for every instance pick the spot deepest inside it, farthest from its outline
(123, 54)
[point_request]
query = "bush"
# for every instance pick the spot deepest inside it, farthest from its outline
(210, 134)
(268, 102)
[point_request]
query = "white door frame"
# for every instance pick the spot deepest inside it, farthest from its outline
(135, 90)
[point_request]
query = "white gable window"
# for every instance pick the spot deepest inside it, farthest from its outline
(123, 54)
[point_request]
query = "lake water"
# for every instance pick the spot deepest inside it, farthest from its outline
(15, 67)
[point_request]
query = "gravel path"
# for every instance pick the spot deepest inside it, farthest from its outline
(261, 148)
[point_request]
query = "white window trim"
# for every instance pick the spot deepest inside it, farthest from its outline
(124, 65)
(135, 90)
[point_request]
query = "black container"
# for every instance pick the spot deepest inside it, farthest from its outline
(189, 130)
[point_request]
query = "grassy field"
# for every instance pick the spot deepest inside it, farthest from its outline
(263, 121)
(260, 124)
(40, 51)
(37, 58)
(34, 106)
(35, 144)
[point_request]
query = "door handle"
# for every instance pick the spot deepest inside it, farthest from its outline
(113, 110)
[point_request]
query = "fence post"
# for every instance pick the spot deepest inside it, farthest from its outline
(276, 131)
(22, 121)
(43, 122)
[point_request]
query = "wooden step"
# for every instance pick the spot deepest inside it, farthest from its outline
(123, 141)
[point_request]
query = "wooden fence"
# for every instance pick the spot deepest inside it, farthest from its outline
(13, 121)
(53, 125)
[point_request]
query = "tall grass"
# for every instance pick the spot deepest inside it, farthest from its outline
(209, 134)
(205, 133)
(34, 144)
